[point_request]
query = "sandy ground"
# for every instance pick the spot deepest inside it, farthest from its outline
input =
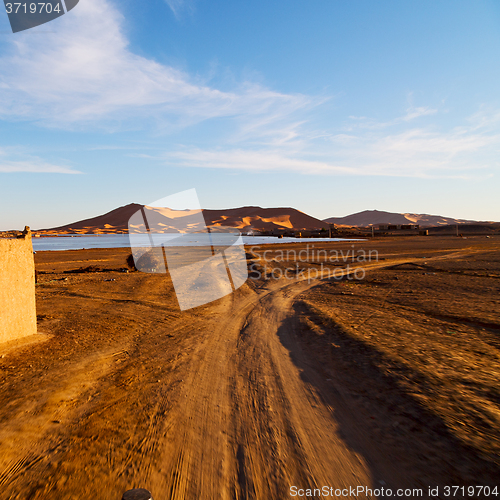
(386, 382)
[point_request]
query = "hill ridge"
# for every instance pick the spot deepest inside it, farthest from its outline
(246, 219)
(368, 218)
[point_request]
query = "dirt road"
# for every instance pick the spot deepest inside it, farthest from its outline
(224, 401)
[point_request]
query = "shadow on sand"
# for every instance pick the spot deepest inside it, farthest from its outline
(403, 443)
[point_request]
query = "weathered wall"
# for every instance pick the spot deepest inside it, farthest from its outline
(17, 288)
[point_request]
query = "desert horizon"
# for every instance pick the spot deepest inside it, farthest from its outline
(251, 218)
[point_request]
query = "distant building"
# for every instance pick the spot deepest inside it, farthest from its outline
(304, 234)
(398, 227)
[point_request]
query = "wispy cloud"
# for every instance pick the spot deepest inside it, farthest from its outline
(412, 113)
(15, 161)
(34, 166)
(486, 118)
(86, 74)
(425, 153)
(178, 6)
(259, 161)
(462, 152)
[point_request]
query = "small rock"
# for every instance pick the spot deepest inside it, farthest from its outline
(137, 494)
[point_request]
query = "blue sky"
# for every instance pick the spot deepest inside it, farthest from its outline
(330, 106)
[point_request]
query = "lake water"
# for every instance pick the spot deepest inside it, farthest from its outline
(123, 241)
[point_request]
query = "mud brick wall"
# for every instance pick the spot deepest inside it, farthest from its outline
(17, 288)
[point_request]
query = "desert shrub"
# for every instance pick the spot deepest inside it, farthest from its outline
(131, 263)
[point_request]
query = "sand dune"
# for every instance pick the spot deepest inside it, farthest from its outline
(262, 219)
(376, 217)
(246, 219)
(166, 220)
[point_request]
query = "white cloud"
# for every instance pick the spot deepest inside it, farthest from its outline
(486, 118)
(86, 74)
(412, 113)
(178, 5)
(34, 166)
(239, 159)
(12, 160)
(416, 152)
(420, 153)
